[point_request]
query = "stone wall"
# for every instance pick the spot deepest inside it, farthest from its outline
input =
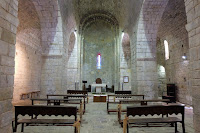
(72, 62)
(193, 28)
(99, 38)
(71, 48)
(8, 29)
(52, 44)
(125, 61)
(172, 29)
(149, 19)
(28, 51)
(28, 63)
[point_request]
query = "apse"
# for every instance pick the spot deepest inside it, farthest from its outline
(99, 53)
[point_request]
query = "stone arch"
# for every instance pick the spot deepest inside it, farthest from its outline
(28, 51)
(48, 12)
(90, 18)
(172, 24)
(145, 51)
(106, 41)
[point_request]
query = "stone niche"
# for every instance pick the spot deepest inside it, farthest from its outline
(99, 37)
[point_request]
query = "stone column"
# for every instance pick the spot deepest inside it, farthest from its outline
(193, 28)
(8, 28)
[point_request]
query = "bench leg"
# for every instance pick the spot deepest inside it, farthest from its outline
(183, 127)
(127, 128)
(107, 107)
(176, 127)
(13, 128)
(22, 130)
(172, 124)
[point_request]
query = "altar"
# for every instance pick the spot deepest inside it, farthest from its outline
(95, 87)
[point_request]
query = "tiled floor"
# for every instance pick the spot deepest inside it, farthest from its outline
(96, 120)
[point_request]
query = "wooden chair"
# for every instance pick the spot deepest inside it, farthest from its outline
(171, 93)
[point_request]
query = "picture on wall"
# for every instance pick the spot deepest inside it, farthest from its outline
(125, 79)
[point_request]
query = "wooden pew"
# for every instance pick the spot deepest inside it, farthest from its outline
(123, 92)
(78, 92)
(69, 96)
(44, 110)
(57, 101)
(117, 102)
(154, 110)
(28, 95)
(142, 102)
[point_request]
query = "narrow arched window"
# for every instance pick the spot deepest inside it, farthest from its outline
(166, 50)
(99, 61)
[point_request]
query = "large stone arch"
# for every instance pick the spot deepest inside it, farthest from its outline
(145, 48)
(172, 29)
(28, 51)
(94, 20)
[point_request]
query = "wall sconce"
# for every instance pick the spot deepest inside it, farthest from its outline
(184, 57)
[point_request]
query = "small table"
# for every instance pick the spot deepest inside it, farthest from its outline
(99, 98)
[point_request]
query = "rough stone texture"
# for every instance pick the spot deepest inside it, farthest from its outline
(192, 8)
(28, 61)
(52, 44)
(145, 56)
(8, 24)
(61, 59)
(72, 60)
(177, 70)
(71, 48)
(99, 38)
(125, 61)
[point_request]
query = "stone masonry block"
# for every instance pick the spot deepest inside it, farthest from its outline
(8, 36)
(197, 122)
(3, 48)
(7, 61)
(5, 119)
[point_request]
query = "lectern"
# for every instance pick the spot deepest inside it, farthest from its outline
(84, 88)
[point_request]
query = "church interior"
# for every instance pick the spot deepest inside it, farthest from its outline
(89, 65)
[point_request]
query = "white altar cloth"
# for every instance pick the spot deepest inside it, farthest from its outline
(93, 86)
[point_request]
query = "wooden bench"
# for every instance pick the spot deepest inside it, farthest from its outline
(78, 92)
(69, 96)
(127, 96)
(44, 110)
(57, 101)
(142, 102)
(123, 92)
(154, 110)
(28, 95)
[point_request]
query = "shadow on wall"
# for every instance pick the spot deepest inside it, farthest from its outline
(72, 41)
(126, 47)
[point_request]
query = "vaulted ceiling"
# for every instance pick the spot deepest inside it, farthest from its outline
(125, 11)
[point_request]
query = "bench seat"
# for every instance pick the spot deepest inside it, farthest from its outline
(154, 120)
(47, 121)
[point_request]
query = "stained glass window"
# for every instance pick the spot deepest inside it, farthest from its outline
(99, 61)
